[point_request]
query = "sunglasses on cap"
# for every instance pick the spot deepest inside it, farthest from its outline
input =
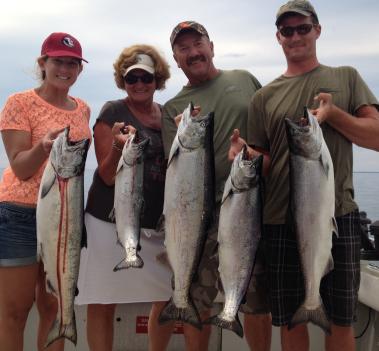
(301, 29)
(146, 78)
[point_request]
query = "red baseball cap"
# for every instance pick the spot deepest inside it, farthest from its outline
(62, 44)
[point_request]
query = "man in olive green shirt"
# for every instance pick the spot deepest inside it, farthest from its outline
(227, 94)
(348, 113)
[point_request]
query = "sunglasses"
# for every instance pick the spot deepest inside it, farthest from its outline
(301, 29)
(146, 78)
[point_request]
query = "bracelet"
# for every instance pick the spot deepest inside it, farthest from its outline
(116, 147)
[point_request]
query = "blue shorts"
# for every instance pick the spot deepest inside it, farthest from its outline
(18, 235)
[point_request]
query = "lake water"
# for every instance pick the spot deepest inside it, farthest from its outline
(366, 187)
(366, 191)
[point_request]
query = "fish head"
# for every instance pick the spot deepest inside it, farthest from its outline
(134, 148)
(68, 157)
(245, 172)
(304, 136)
(192, 129)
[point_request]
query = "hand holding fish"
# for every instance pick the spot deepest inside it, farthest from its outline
(48, 139)
(324, 110)
(194, 113)
(236, 144)
(120, 133)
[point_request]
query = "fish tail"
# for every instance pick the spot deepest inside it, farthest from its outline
(233, 325)
(316, 316)
(136, 262)
(59, 330)
(188, 315)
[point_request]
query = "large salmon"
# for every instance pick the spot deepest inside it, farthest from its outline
(60, 227)
(239, 233)
(312, 207)
(128, 200)
(188, 207)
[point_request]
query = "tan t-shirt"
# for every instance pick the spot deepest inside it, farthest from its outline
(286, 97)
(228, 96)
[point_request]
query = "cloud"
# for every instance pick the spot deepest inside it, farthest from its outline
(243, 34)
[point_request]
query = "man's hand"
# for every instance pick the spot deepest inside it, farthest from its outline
(236, 144)
(325, 108)
(195, 112)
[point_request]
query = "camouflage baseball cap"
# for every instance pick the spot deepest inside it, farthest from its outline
(187, 25)
(302, 7)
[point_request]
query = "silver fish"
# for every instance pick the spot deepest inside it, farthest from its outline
(312, 207)
(188, 207)
(60, 228)
(239, 233)
(128, 200)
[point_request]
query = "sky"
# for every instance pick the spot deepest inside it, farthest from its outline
(242, 31)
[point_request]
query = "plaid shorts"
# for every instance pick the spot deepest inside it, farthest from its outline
(339, 288)
(207, 282)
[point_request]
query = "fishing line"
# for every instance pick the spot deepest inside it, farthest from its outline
(368, 323)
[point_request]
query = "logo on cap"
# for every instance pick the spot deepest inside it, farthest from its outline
(68, 42)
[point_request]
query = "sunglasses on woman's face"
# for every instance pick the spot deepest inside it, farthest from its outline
(146, 78)
(301, 29)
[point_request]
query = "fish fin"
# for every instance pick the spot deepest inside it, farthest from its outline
(83, 241)
(160, 225)
(316, 316)
(47, 185)
(173, 151)
(243, 300)
(50, 288)
(40, 252)
(329, 266)
(335, 226)
(58, 331)
(325, 164)
(76, 291)
(162, 258)
(228, 189)
(118, 240)
(233, 325)
(137, 262)
(119, 165)
(188, 315)
(112, 215)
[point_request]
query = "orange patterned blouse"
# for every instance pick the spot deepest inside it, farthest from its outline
(28, 112)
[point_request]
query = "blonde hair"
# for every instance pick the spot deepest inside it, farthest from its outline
(128, 57)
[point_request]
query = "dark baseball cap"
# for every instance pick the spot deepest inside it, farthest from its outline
(187, 25)
(62, 44)
(301, 7)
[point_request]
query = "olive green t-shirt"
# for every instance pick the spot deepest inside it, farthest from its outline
(286, 97)
(227, 95)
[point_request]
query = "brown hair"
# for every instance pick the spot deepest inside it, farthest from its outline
(128, 57)
(41, 75)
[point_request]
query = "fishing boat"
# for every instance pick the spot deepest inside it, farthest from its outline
(131, 319)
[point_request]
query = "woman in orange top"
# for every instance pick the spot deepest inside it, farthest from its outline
(29, 123)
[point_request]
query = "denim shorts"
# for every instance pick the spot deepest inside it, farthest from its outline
(18, 235)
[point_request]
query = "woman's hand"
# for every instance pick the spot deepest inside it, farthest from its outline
(120, 134)
(109, 142)
(24, 158)
(48, 140)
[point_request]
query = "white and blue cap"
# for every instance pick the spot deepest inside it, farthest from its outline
(144, 62)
